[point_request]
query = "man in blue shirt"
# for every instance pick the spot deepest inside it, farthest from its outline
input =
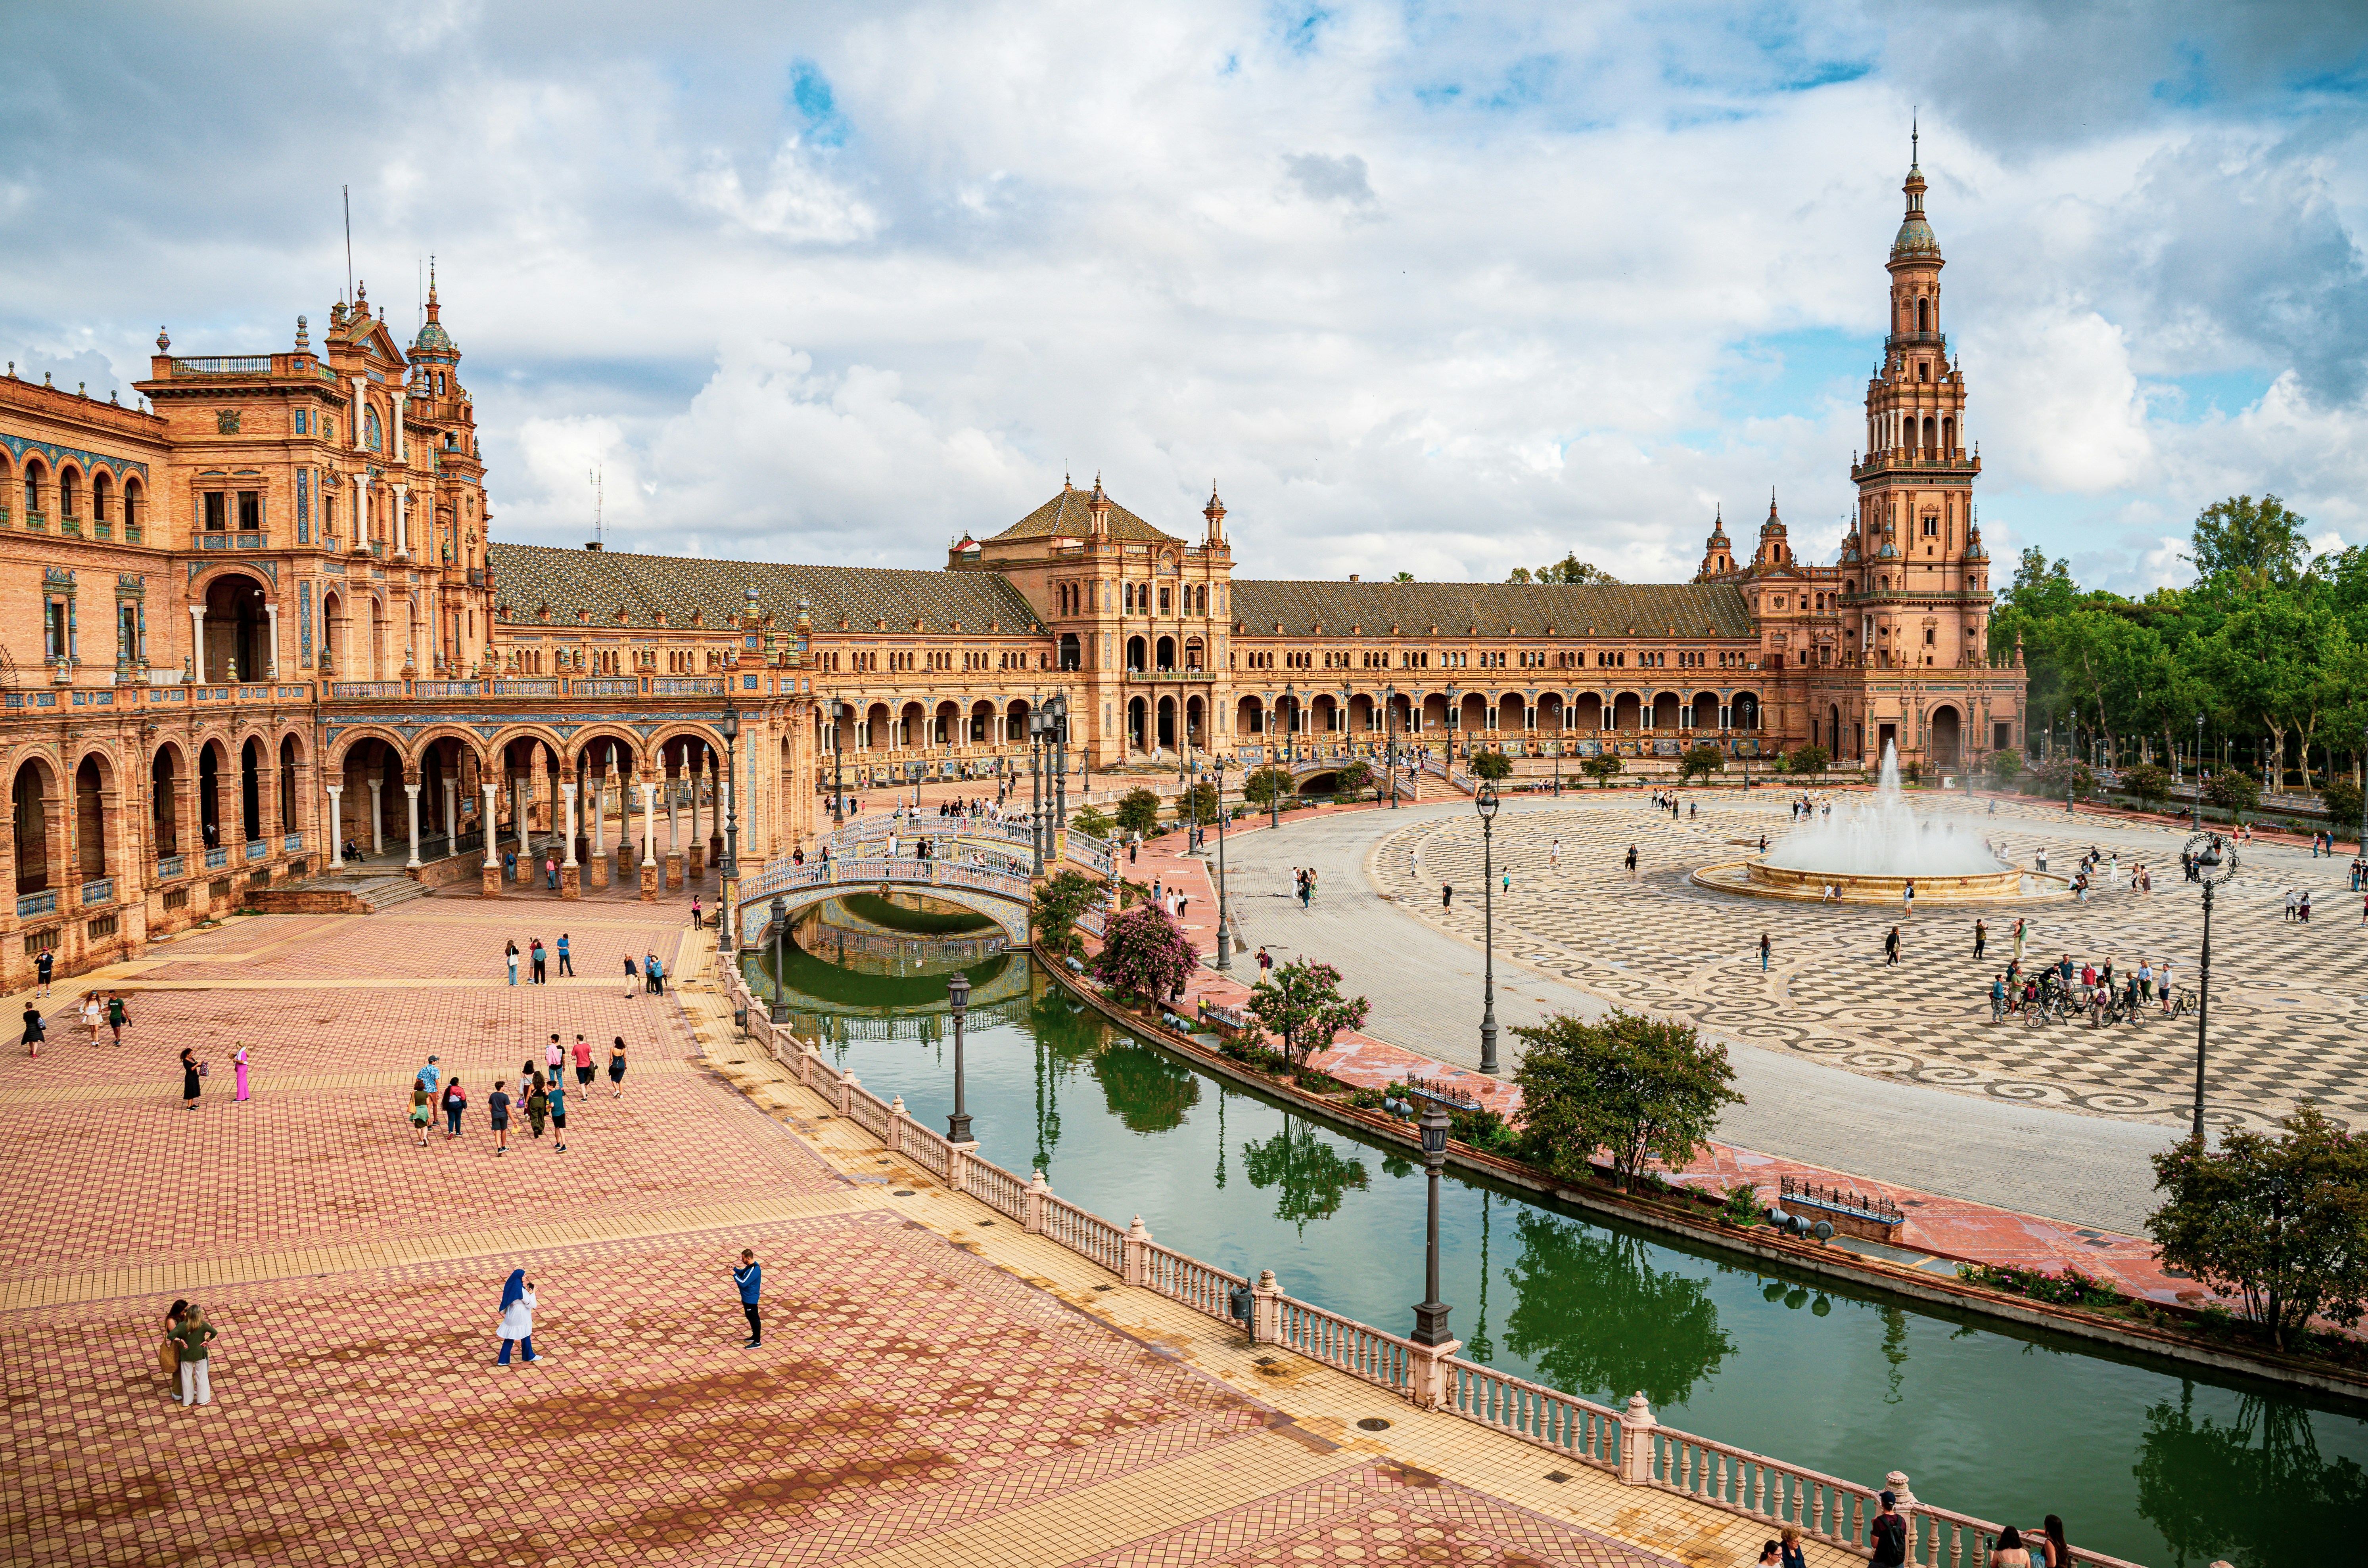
(565, 966)
(431, 1075)
(750, 1278)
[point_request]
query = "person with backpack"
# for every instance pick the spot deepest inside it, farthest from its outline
(1886, 1534)
(455, 1101)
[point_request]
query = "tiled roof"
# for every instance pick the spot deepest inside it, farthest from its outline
(528, 576)
(1066, 516)
(1528, 610)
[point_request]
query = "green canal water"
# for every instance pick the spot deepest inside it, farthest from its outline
(2143, 1459)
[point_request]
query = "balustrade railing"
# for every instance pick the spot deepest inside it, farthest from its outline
(1086, 1233)
(996, 1187)
(867, 1111)
(218, 857)
(30, 904)
(364, 690)
(171, 866)
(1586, 1432)
(291, 843)
(257, 848)
(550, 685)
(1352, 1347)
(98, 892)
(1202, 1286)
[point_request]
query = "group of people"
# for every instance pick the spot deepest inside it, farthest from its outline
(540, 1095)
(1303, 885)
(1887, 1543)
(111, 1014)
(2087, 987)
(647, 977)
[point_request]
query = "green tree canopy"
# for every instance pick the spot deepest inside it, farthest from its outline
(1635, 1086)
(1569, 569)
(2250, 543)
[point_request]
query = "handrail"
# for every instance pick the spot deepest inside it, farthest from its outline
(1550, 1418)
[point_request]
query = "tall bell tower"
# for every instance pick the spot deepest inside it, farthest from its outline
(1924, 599)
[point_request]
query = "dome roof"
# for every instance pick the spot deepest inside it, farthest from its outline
(1914, 238)
(432, 340)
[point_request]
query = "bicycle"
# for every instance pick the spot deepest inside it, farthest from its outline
(2181, 1003)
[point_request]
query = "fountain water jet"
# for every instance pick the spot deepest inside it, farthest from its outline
(1869, 851)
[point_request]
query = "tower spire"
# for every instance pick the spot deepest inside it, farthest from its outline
(1915, 132)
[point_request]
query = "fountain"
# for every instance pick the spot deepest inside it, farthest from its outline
(1869, 851)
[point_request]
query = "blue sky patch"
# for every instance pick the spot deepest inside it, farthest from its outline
(810, 94)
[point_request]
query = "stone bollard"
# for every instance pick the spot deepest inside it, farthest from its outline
(1037, 1192)
(1636, 1426)
(807, 1057)
(847, 1087)
(1134, 1264)
(894, 1141)
(1427, 1373)
(1265, 1312)
(957, 1155)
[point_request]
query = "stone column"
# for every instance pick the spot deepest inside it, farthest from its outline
(649, 842)
(378, 834)
(336, 825)
(361, 510)
(571, 874)
(411, 802)
(519, 786)
(197, 642)
(596, 826)
(675, 782)
(271, 647)
(489, 876)
(395, 443)
(696, 867)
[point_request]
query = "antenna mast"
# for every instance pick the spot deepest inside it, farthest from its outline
(599, 533)
(346, 194)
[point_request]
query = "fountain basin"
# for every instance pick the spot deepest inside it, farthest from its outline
(1758, 878)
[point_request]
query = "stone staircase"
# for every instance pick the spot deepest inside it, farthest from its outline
(337, 895)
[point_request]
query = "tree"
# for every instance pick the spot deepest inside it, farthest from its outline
(2004, 763)
(2149, 783)
(2249, 544)
(1091, 821)
(1264, 784)
(1302, 1003)
(1146, 957)
(1808, 759)
(1701, 763)
(1602, 767)
(2047, 778)
(1138, 810)
(1402, 577)
(1060, 899)
(1309, 1175)
(1569, 569)
(2281, 1224)
(1633, 1085)
(1198, 804)
(1352, 778)
(2342, 798)
(1594, 1315)
(1492, 766)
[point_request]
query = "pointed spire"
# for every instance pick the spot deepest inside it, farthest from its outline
(1915, 132)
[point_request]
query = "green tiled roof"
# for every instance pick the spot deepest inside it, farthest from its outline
(1525, 609)
(1066, 516)
(528, 576)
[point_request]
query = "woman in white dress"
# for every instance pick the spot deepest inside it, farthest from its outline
(518, 1318)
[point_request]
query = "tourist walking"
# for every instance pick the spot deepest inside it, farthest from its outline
(1891, 948)
(1763, 952)
(1447, 895)
(551, 872)
(1981, 938)
(538, 1106)
(695, 912)
(93, 1014)
(191, 1338)
(46, 962)
(583, 1054)
(2021, 927)
(34, 1030)
(566, 965)
(558, 1116)
(238, 1069)
(1553, 855)
(655, 972)
(421, 1110)
(512, 955)
(1632, 861)
(633, 976)
(553, 1058)
(431, 1074)
(517, 1324)
(191, 1071)
(617, 1067)
(750, 1278)
(455, 1100)
(497, 1114)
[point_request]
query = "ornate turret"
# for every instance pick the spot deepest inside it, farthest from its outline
(1774, 550)
(1098, 507)
(434, 342)
(1215, 512)
(1718, 552)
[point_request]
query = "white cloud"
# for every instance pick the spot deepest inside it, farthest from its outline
(2059, 402)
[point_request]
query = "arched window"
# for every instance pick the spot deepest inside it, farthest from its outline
(369, 428)
(1932, 434)
(102, 496)
(69, 493)
(1948, 435)
(33, 487)
(1923, 315)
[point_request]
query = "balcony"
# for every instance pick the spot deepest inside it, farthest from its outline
(30, 904)
(171, 866)
(291, 844)
(217, 857)
(257, 848)
(98, 892)
(234, 540)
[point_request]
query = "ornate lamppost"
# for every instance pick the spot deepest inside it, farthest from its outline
(2363, 800)
(2195, 810)
(1036, 722)
(958, 998)
(1224, 932)
(1430, 1312)
(2214, 856)
(837, 767)
(1057, 737)
(2071, 756)
(730, 728)
(780, 1009)
(1485, 803)
(1390, 739)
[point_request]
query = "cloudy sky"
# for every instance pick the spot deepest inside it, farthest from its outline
(1420, 287)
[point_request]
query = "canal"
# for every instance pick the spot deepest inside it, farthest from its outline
(2143, 1459)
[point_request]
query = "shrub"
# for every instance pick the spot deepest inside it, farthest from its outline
(1808, 759)
(2280, 1223)
(2232, 790)
(2004, 764)
(2342, 798)
(1091, 821)
(1603, 770)
(1701, 762)
(1138, 810)
(1633, 1085)
(2149, 783)
(1302, 1003)
(1353, 780)
(2047, 778)
(1492, 766)
(1742, 1206)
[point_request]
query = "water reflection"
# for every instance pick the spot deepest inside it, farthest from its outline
(1148, 1090)
(2253, 1490)
(1309, 1175)
(1592, 1313)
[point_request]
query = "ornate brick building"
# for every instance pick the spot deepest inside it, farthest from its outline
(268, 619)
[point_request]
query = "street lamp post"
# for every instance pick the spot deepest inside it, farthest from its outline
(1390, 738)
(2215, 858)
(780, 1009)
(958, 998)
(1224, 932)
(1430, 1312)
(1486, 803)
(2071, 756)
(1059, 739)
(2363, 799)
(1036, 788)
(2195, 811)
(730, 728)
(837, 767)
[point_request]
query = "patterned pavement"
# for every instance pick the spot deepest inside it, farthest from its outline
(2288, 1006)
(930, 1390)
